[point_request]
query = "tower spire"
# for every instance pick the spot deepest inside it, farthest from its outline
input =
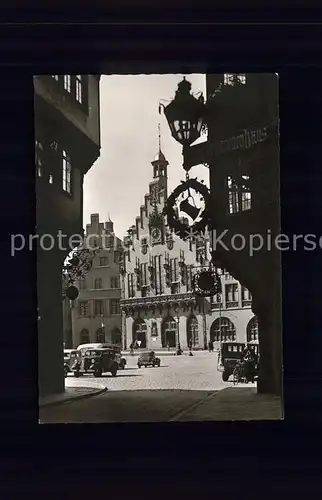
(159, 132)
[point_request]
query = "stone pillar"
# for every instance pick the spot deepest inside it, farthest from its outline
(183, 331)
(50, 323)
(270, 378)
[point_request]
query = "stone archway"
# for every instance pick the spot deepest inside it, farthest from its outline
(100, 336)
(169, 332)
(139, 332)
(84, 337)
(252, 330)
(192, 332)
(223, 330)
(116, 336)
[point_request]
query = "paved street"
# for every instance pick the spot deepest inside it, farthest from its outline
(145, 394)
(198, 372)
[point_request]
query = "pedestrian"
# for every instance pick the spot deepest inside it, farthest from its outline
(209, 346)
(168, 346)
(212, 345)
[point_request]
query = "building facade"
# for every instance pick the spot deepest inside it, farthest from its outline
(242, 152)
(67, 143)
(159, 307)
(95, 314)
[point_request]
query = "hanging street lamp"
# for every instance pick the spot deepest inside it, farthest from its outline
(185, 115)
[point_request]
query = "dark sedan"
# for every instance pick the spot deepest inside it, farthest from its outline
(148, 359)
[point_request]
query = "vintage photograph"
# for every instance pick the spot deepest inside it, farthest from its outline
(158, 247)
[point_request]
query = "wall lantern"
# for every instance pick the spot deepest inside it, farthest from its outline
(185, 115)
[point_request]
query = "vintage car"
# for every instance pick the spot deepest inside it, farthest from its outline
(96, 361)
(148, 358)
(70, 356)
(230, 354)
(117, 350)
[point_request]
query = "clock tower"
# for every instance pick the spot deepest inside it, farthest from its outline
(158, 196)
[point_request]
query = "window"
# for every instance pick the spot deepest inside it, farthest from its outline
(234, 78)
(239, 194)
(115, 282)
(83, 308)
(103, 261)
(174, 288)
(223, 330)
(245, 192)
(174, 270)
(231, 293)
(84, 337)
(115, 306)
(189, 278)
(144, 274)
(157, 274)
(216, 300)
(246, 295)
(252, 330)
(98, 284)
(67, 83)
(67, 172)
(98, 307)
(79, 88)
(232, 196)
(130, 284)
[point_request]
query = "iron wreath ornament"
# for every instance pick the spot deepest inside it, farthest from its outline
(206, 283)
(181, 229)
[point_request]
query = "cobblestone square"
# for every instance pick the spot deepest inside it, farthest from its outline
(197, 372)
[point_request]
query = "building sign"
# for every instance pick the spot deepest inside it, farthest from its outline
(154, 329)
(245, 140)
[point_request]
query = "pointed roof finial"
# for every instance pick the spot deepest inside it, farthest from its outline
(159, 128)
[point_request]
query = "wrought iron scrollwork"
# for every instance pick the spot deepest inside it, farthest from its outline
(76, 266)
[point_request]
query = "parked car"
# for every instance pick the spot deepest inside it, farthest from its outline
(70, 356)
(231, 353)
(96, 361)
(148, 358)
(117, 350)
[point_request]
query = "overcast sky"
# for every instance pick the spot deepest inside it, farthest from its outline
(118, 181)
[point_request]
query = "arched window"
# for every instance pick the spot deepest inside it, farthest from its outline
(169, 332)
(98, 283)
(84, 337)
(139, 332)
(252, 330)
(100, 336)
(192, 332)
(116, 336)
(223, 330)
